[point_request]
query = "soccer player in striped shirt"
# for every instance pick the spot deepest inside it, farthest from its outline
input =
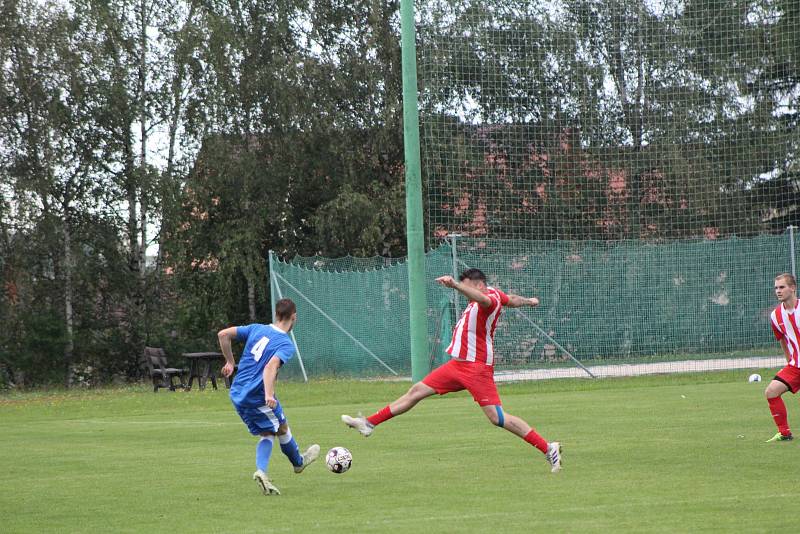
(471, 366)
(784, 322)
(266, 349)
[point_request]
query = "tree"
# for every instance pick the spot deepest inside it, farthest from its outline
(290, 131)
(49, 120)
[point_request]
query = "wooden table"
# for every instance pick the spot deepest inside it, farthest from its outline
(200, 367)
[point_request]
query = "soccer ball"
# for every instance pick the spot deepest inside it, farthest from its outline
(338, 460)
(755, 377)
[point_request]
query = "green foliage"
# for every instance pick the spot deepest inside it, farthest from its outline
(288, 136)
(361, 224)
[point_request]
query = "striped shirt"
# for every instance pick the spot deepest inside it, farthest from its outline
(785, 327)
(473, 336)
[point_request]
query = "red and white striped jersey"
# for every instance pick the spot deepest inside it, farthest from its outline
(784, 326)
(473, 336)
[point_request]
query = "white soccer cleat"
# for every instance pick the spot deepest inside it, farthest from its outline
(554, 456)
(267, 488)
(309, 456)
(359, 423)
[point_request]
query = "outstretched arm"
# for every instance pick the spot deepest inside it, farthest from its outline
(225, 336)
(470, 292)
(515, 301)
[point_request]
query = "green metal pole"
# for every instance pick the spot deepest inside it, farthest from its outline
(415, 237)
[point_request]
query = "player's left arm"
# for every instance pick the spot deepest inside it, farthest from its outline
(516, 301)
(781, 337)
(270, 375)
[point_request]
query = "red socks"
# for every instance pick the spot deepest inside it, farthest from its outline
(382, 415)
(778, 409)
(536, 440)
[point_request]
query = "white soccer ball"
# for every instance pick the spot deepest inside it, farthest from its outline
(338, 460)
(755, 377)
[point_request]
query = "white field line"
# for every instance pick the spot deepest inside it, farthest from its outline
(638, 369)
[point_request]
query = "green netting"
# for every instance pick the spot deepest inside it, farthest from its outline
(599, 127)
(369, 305)
(633, 301)
(633, 163)
(604, 302)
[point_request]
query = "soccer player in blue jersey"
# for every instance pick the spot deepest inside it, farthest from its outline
(266, 348)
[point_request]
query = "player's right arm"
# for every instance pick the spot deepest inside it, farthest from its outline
(779, 335)
(225, 336)
(269, 375)
(470, 292)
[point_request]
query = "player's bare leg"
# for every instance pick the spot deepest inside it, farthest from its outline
(410, 398)
(517, 426)
(365, 425)
(777, 408)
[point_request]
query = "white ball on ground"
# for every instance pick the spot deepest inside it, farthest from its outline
(755, 377)
(339, 460)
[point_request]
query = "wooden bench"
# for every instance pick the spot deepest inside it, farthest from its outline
(154, 361)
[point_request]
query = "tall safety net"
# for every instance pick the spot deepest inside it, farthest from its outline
(608, 308)
(633, 163)
(353, 314)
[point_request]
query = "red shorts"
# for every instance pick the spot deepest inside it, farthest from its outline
(455, 375)
(790, 376)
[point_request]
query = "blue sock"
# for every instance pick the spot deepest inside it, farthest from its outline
(290, 448)
(263, 452)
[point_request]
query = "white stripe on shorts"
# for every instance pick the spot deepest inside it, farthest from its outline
(267, 411)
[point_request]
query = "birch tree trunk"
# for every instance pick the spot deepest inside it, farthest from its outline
(143, 133)
(69, 347)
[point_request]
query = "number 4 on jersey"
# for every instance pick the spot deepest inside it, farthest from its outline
(258, 349)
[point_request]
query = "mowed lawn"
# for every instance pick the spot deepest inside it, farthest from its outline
(653, 454)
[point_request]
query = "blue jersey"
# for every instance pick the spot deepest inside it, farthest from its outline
(262, 343)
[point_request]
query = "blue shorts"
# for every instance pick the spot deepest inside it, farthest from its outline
(262, 419)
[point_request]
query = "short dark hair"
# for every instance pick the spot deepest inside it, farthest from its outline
(284, 309)
(472, 274)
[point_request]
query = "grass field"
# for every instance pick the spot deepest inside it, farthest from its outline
(649, 454)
